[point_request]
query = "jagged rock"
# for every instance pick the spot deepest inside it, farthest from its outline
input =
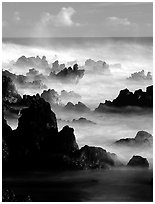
(51, 96)
(95, 158)
(67, 140)
(142, 138)
(9, 92)
(138, 161)
(80, 107)
(36, 124)
(138, 76)
(129, 99)
(68, 74)
(83, 121)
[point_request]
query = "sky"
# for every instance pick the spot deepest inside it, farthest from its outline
(77, 19)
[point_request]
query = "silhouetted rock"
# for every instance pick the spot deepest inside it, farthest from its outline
(9, 92)
(31, 81)
(95, 158)
(140, 76)
(68, 75)
(83, 121)
(56, 67)
(142, 138)
(51, 96)
(36, 124)
(128, 99)
(67, 141)
(138, 161)
(80, 107)
(8, 195)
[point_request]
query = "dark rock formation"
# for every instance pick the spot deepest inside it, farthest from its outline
(128, 99)
(51, 96)
(83, 121)
(67, 141)
(95, 158)
(9, 92)
(8, 195)
(138, 161)
(80, 107)
(56, 67)
(36, 123)
(142, 138)
(31, 81)
(68, 75)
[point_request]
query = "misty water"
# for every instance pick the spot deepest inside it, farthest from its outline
(115, 185)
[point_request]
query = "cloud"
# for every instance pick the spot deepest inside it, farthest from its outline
(16, 17)
(118, 21)
(63, 18)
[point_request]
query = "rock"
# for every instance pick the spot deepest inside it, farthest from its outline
(140, 76)
(36, 124)
(142, 138)
(68, 74)
(51, 96)
(95, 158)
(9, 92)
(67, 141)
(80, 107)
(128, 99)
(82, 121)
(138, 161)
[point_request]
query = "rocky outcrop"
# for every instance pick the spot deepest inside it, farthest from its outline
(36, 124)
(69, 74)
(142, 138)
(89, 157)
(79, 107)
(138, 161)
(128, 99)
(82, 121)
(9, 92)
(140, 76)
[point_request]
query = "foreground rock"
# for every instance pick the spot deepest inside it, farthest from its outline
(138, 161)
(8, 195)
(142, 138)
